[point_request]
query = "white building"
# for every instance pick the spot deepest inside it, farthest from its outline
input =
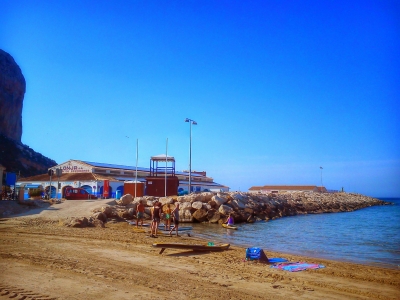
(91, 177)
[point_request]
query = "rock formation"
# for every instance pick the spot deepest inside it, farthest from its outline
(12, 90)
(15, 156)
(21, 159)
(246, 207)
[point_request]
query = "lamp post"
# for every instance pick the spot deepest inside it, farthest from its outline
(190, 152)
(321, 178)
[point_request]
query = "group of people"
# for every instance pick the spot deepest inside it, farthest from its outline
(156, 215)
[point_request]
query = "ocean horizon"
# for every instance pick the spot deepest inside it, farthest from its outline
(367, 236)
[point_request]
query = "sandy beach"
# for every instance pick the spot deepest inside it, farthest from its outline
(42, 259)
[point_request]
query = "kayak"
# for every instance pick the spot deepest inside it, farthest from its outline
(229, 226)
(205, 247)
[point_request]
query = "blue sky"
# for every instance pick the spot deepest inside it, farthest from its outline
(278, 88)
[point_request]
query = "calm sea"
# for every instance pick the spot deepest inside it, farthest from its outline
(367, 236)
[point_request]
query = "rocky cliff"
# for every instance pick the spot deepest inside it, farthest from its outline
(15, 156)
(21, 159)
(12, 90)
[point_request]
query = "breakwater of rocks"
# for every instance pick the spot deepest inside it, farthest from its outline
(245, 207)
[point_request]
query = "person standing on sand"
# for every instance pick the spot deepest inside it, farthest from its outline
(139, 214)
(175, 215)
(167, 217)
(155, 217)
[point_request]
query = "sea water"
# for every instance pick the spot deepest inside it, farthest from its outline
(367, 236)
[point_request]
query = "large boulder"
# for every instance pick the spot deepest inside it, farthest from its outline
(107, 210)
(213, 216)
(100, 216)
(197, 205)
(225, 210)
(238, 204)
(200, 215)
(199, 197)
(166, 200)
(125, 200)
(219, 200)
(185, 206)
(207, 196)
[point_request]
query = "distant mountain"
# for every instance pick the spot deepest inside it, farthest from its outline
(15, 156)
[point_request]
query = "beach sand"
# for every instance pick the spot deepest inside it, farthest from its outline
(41, 259)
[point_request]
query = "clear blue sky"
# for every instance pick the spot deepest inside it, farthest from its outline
(278, 88)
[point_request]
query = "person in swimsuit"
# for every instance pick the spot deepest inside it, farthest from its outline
(175, 215)
(155, 218)
(167, 217)
(230, 220)
(139, 214)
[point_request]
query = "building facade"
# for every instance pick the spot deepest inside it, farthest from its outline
(92, 176)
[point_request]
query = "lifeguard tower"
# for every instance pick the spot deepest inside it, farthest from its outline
(162, 180)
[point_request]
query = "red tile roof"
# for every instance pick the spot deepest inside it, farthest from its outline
(69, 177)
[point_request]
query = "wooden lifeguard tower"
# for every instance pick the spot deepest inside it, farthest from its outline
(162, 180)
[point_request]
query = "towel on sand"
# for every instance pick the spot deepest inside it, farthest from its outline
(296, 266)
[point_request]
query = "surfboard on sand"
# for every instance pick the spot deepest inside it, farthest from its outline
(229, 226)
(204, 247)
(162, 226)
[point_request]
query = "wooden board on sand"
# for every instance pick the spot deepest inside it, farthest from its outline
(204, 247)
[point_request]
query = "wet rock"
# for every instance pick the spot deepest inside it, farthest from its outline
(213, 216)
(200, 215)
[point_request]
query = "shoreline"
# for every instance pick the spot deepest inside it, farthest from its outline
(78, 208)
(39, 254)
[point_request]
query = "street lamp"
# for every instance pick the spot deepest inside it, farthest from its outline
(321, 178)
(190, 152)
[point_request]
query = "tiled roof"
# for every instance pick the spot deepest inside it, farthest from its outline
(69, 177)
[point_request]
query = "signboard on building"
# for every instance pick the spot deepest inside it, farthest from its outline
(11, 178)
(74, 167)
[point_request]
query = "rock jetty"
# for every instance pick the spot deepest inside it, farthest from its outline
(245, 207)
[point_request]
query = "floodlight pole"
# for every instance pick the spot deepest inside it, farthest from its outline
(190, 152)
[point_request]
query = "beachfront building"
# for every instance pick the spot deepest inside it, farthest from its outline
(267, 189)
(93, 177)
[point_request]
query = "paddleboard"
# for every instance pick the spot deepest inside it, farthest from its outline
(179, 228)
(162, 226)
(204, 247)
(229, 226)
